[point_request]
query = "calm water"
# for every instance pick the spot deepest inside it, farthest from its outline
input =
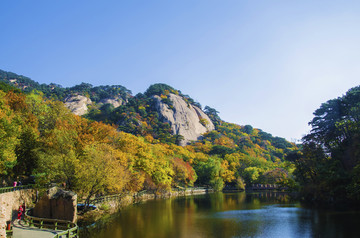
(226, 215)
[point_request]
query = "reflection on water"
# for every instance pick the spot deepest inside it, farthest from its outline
(225, 215)
(269, 221)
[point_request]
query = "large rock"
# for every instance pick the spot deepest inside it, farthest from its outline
(116, 102)
(78, 104)
(185, 119)
(57, 204)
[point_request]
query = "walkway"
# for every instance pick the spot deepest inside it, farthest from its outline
(22, 230)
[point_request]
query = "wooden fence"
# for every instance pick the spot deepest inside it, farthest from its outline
(102, 199)
(12, 189)
(71, 230)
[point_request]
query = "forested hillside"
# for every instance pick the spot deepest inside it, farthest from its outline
(57, 92)
(130, 147)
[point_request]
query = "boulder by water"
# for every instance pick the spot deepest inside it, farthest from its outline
(57, 204)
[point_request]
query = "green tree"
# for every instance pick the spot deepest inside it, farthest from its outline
(27, 159)
(209, 173)
(158, 89)
(331, 150)
(213, 114)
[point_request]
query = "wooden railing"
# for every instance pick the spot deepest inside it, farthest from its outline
(196, 188)
(71, 230)
(266, 187)
(140, 193)
(107, 198)
(189, 189)
(12, 189)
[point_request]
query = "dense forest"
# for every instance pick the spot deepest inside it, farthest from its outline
(130, 148)
(328, 165)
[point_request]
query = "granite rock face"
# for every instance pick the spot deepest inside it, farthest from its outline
(116, 102)
(57, 204)
(78, 104)
(185, 119)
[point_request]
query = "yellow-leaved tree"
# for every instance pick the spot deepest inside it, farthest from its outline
(9, 130)
(101, 169)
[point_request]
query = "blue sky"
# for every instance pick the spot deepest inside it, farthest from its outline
(269, 64)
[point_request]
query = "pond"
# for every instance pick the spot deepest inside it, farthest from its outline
(224, 215)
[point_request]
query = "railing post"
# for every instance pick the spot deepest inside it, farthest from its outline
(71, 231)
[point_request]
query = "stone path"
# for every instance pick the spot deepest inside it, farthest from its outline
(22, 230)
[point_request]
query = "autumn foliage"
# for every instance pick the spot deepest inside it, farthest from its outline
(42, 138)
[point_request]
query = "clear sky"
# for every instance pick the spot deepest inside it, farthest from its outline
(269, 63)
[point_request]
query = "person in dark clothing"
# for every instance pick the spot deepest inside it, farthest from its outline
(24, 209)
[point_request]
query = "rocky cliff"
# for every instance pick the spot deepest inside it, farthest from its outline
(116, 101)
(78, 104)
(185, 119)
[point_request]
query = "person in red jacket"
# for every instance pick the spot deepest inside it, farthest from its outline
(20, 212)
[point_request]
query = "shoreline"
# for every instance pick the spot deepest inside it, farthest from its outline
(107, 208)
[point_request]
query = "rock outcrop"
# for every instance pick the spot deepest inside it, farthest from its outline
(78, 104)
(185, 119)
(116, 102)
(57, 204)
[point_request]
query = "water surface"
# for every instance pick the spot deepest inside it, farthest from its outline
(225, 215)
